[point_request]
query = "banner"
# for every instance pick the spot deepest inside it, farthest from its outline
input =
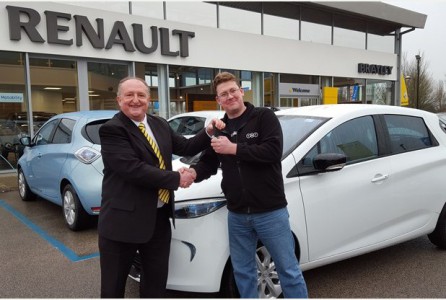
(404, 100)
(11, 97)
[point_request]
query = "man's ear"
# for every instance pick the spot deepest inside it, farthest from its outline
(118, 100)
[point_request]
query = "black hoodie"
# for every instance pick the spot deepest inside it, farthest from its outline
(252, 179)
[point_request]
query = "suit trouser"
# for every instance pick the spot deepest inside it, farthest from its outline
(116, 260)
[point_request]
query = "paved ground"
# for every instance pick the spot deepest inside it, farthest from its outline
(41, 258)
(8, 182)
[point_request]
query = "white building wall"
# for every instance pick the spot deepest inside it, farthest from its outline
(211, 47)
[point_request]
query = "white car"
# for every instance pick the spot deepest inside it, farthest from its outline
(358, 178)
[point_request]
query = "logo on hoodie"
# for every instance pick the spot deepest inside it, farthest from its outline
(252, 135)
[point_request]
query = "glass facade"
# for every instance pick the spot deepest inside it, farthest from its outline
(103, 80)
(13, 106)
(49, 85)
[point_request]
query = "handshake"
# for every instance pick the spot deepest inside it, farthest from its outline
(187, 176)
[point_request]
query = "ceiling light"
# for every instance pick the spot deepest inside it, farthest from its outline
(52, 88)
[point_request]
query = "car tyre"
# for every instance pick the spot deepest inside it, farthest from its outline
(268, 287)
(24, 191)
(228, 287)
(74, 214)
(438, 236)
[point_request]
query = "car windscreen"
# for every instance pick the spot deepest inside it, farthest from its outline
(296, 129)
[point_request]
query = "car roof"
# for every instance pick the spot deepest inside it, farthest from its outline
(95, 114)
(337, 110)
(201, 113)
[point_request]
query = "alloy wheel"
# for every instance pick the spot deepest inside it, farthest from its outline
(69, 207)
(267, 278)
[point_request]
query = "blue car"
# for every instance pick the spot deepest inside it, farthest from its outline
(62, 163)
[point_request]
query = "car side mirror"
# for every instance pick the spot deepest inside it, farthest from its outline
(25, 141)
(328, 162)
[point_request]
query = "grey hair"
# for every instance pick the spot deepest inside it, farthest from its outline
(118, 93)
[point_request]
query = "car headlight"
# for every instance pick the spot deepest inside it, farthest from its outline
(197, 208)
(87, 155)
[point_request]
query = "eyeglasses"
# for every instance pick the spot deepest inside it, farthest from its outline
(225, 95)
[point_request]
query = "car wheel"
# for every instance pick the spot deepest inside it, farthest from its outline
(228, 287)
(267, 278)
(74, 214)
(135, 269)
(24, 190)
(438, 236)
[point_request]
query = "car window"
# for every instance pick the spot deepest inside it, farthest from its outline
(295, 129)
(187, 125)
(356, 139)
(443, 125)
(64, 131)
(408, 133)
(91, 131)
(43, 136)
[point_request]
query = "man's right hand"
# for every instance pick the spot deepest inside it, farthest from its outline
(187, 177)
(215, 123)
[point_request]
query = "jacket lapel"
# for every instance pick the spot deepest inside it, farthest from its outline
(157, 131)
(136, 132)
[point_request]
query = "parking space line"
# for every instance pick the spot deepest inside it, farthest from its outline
(70, 254)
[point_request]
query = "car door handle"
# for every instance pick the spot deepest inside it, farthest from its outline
(380, 177)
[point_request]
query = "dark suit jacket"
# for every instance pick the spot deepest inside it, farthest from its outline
(132, 176)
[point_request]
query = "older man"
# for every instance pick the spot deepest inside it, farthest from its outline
(137, 190)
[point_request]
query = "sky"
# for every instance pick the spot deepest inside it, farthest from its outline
(429, 42)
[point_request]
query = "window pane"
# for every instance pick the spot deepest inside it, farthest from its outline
(280, 27)
(53, 87)
(152, 9)
(349, 38)
(191, 89)
(103, 80)
(349, 32)
(350, 89)
(379, 91)
(381, 43)
(240, 20)
(407, 133)
(117, 6)
(281, 20)
(356, 139)
(198, 13)
(316, 26)
(43, 136)
(12, 103)
(63, 131)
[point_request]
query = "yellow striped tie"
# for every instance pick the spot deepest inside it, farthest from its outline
(163, 194)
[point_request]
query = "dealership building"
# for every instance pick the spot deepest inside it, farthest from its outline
(68, 56)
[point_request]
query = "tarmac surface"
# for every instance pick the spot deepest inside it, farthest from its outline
(41, 258)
